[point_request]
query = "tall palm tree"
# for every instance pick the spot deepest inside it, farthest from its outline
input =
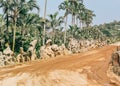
(44, 32)
(88, 17)
(19, 6)
(6, 6)
(80, 13)
(79, 9)
(75, 7)
(65, 6)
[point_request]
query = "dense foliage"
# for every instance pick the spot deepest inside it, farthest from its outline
(111, 31)
(19, 25)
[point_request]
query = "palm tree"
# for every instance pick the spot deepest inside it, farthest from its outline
(2, 39)
(13, 9)
(80, 12)
(2, 24)
(31, 20)
(55, 23)
(73, 31)
(6, 6)
(88, 17)
(21, 7)
(73, 6)
(44, 32)
(65, 6)
(59, 34)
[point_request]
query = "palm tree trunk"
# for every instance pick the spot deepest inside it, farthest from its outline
(76, 21)
(81, 25)
(14, 35)
(72, 20)
(14, 29)
(53, 36)
(44, 32)
(7, 21)
(65, 30)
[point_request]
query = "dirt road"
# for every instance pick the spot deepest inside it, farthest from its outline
(84, 69)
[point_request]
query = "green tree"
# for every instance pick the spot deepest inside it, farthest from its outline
(88, 17)
(65, 6)
(55, 23)
(44, 32)
(80, 12)
(13, 9)
(6, 7)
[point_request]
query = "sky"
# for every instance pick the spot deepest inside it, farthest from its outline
(105, 10)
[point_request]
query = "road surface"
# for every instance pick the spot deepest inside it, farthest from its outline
(84, 69)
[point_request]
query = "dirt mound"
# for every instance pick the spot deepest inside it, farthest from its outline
(84, 69)
(54, 78)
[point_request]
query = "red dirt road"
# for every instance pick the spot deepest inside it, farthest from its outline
(94, 63)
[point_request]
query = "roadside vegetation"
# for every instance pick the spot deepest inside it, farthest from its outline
(19, 25)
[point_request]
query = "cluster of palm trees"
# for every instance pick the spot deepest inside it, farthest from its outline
(78, 11)
(19, 25)
(80, 14)
(16, 14)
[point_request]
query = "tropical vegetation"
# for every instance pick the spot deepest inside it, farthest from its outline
(19, 25)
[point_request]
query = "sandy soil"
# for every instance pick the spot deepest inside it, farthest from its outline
(116, 44)
(84, 69)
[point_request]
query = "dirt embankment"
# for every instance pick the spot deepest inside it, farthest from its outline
(84, 69)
